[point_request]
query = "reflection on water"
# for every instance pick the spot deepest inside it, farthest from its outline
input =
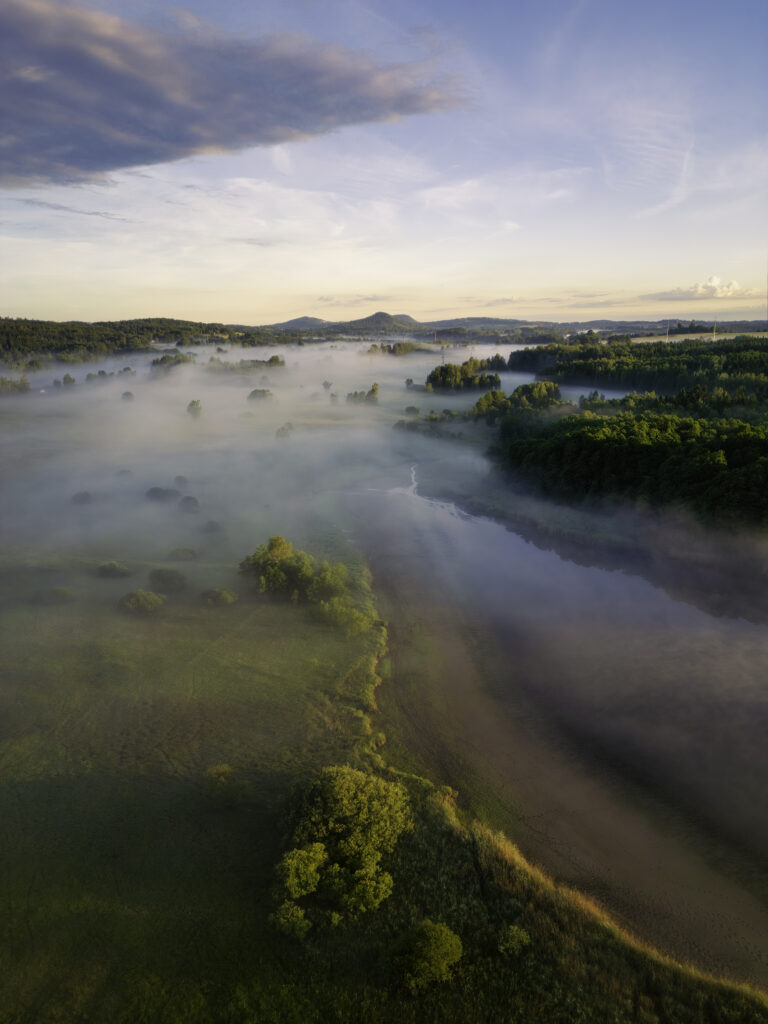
(665, 689)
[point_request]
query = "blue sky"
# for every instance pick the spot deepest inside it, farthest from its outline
(564, 159)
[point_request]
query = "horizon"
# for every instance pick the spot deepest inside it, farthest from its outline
(705, 320)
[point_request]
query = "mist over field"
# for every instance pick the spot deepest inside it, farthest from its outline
(630, 683)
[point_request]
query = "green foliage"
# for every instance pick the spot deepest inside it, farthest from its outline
(141, 602)
(290, 919)
(168, 581)
(182, 555)
(704, 446)
(468, 376)
(397, 348)
(433, 951)
(660, 365)
(221, 786)
(718, 468)
(169, 361)
(299, 870)
(218, 597)
(341, 612)
(112, 570)
(513, 940)
(370, 397)
(282, 570)
(8, 386)
(345, 822)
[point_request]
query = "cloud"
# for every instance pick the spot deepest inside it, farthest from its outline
(62, 208)
(352, 300)
(491, 303)
(85, 92)
(712, 288)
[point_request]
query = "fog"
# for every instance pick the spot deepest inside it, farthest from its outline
(647, 692)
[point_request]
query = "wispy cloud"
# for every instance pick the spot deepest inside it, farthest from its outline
(712, 288)
(352, 300)
(63, 208)
(86, 92)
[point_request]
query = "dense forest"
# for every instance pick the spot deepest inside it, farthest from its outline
(701, 443)
(77, 341)
(699, 440)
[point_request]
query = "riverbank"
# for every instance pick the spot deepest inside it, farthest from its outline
(456, 709)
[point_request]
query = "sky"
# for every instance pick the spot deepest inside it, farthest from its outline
(248, 162)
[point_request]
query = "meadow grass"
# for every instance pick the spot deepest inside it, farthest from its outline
(128, 879)
(144, 767)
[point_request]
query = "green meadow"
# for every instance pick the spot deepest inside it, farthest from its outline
(147, 765)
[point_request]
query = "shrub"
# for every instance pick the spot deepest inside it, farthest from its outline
(221, 786)
(513, 940)
(189, 504)
(218, 597)
(433, 951)
(141, 602)
(340, 612)
(112, 570)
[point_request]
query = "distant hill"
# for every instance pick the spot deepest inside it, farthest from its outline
(474, 323)
(383, 322)
(302, 323)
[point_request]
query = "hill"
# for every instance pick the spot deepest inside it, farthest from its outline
(302, 323)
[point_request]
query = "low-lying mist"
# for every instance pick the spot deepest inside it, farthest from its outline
(122, 468)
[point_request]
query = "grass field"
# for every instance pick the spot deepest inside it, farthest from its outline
(133, 881)
(145, 764)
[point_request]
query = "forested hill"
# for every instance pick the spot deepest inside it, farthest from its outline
(20, 337)
(76, 340)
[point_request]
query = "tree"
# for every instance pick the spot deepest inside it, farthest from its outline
(280, 570)
(195, 407)
(433, 951)
(346, 821)
(112, 570)
(141, 602)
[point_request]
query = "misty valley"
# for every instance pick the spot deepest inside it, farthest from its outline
(313, 710)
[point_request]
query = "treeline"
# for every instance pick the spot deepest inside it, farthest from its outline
(77, 341)
(717, 468)
(703, 446)
(470, 375)
(739, 362)
(397, 348)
